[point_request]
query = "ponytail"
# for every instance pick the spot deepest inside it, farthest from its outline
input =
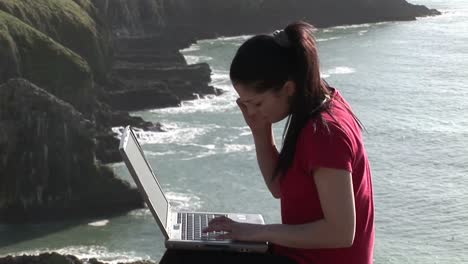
(312, 92)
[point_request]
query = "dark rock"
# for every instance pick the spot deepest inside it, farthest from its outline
(153, 59)
(213, 18)
(131, 100)
(150, 73)
(106, 117)
(48, 161)
(107, 148)
(181, 22)
(55, 258)
(45, 258)
(198, 72)
(136, 17)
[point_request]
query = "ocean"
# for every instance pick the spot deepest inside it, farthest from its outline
(408, 84)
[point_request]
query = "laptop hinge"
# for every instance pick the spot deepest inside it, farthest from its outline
(169, 220)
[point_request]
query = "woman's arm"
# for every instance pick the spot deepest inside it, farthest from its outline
(335, 230)
(267, 157)
(267, 154)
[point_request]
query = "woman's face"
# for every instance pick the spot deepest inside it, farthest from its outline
(273, 105)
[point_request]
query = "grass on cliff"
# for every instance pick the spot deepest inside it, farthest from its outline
(44, 62)
(48, 14)
(70, 23)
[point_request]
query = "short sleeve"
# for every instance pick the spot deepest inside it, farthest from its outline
(327, 147)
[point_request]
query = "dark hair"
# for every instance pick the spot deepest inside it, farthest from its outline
(267, 62)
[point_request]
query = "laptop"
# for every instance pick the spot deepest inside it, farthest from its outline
(182, 230)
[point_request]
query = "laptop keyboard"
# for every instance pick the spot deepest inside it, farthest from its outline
(193, 224)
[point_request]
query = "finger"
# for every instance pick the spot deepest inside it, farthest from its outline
(226, 236)
(212, 227)
(220, 219)
(219, 223)
(217, 227)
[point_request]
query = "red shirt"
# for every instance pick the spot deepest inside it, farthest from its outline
(339, 148)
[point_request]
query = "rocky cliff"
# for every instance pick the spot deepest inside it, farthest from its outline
(55, 258)
(188, 20)
(51, 136)
(148, 70)
(47, 160)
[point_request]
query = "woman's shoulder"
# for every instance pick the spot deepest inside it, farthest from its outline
(322, 128)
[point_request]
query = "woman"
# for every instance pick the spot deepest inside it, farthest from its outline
(322, 173)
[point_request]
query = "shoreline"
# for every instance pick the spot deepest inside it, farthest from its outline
(56, 258)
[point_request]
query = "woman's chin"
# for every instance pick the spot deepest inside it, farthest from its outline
(277, 119)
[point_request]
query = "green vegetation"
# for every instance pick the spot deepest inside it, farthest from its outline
(70, 23)
(45, 62)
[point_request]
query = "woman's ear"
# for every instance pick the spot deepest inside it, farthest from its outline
(290, 87)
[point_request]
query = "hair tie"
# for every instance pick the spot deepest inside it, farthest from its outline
(282, 38)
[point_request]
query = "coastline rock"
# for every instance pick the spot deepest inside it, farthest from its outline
(55, 258)
(146, 74)
(237, 17)
(48, 161)
(186, 21)
(146, 86)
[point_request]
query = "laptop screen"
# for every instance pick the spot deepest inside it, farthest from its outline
(145, 176)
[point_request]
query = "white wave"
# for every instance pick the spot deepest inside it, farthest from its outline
(191, 59)
(362, 32)
(352, 26)
(88, 252)
(201, 155)
(323, 75)
(451, 13)
(140, 212)
(327, 39)
(226, 86)
(178, 135)
(244, 131)
(209, 146)
(99, 223)
(193, 47)
(144, 137)
(205, 104)
(184, 201)
(231, 148)
(156, 154)
(340, 70)
(220, 78)
(240, 38)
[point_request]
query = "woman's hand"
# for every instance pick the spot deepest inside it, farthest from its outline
(235, 230)
(254, 120)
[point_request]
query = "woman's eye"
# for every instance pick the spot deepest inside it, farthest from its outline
(258, 104)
